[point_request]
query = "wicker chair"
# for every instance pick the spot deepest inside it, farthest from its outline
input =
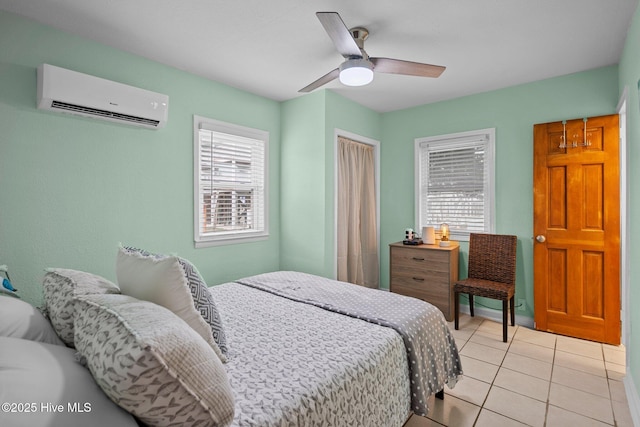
(492, 274)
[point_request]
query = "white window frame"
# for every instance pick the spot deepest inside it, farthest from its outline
(202, 239)
(451, 141)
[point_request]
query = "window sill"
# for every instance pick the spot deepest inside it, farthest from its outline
(231, 240)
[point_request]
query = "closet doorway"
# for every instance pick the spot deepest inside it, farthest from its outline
(576, 187)
(357, 210)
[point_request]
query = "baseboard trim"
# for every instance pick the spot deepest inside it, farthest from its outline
(633, 398)
(496, 315)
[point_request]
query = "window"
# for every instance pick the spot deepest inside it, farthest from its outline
(230, 182)
(455, 182)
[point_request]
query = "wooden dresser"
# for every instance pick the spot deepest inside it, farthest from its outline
(427, 272)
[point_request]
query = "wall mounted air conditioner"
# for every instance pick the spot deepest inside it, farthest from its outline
(67, 91)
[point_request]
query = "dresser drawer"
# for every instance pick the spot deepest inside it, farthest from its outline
(425, 272)
(418, 258)
(433, 270)
(420, 287)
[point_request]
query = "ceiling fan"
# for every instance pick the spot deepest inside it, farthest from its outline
(358, 67)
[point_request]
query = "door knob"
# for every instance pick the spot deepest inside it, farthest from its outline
(540, 238)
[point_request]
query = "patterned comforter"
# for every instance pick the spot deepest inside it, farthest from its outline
(431, 349)
(295, 364)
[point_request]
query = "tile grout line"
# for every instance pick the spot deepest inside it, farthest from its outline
(478, 332)
(492, 381)
(553, 366)
(492, 384)
(606, 373)
(496, 376)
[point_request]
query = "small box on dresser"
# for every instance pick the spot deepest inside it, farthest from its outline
(426, 272)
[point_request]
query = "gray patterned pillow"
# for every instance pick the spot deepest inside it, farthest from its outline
(152, 363)
(60, 285)
(147, 276)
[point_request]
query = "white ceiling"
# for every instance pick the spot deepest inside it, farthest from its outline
(274, 48)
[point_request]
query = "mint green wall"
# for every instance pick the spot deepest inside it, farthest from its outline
(302, 184)
(512, 112)
(629, 69)
(73, 188)
(307, 175)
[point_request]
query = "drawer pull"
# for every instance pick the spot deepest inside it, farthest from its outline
(418, 259)
(418, 279)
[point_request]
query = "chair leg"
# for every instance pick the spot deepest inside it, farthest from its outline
(456, 309)
(505, 313)
(471, 305)
(513, 311)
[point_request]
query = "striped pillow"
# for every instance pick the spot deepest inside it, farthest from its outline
(174, 283)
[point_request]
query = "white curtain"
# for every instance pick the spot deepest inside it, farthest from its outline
(357, 224)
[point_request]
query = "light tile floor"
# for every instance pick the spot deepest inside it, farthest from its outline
(535, 379)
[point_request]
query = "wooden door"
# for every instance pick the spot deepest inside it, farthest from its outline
(576, 192)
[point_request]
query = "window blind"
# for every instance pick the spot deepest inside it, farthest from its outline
(455, 184)
(231, 190)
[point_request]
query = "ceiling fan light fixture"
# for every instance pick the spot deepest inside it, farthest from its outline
(356, 72)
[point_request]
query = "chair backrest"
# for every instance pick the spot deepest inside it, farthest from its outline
(493, 257)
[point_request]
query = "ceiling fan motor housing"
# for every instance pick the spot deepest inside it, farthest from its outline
(359, 34)
(356, 72)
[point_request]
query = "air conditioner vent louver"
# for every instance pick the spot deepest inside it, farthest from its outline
(66, 91)
(103, 113)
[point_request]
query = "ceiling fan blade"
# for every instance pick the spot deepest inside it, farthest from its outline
(339, 33)
(398, 66)
(331, 75)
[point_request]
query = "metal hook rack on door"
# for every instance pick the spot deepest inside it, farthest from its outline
(586, 137)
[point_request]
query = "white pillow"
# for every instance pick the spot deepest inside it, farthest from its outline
(35, 373)
(162, 280)
(20, 319)
(151, 363)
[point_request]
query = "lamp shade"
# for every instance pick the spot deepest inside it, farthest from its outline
(356, 72)
(445, 231)
(444, 241)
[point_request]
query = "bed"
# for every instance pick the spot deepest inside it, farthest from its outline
(368, 338)
(298, 350)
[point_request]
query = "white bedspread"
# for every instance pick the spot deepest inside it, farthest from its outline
(293, 364)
